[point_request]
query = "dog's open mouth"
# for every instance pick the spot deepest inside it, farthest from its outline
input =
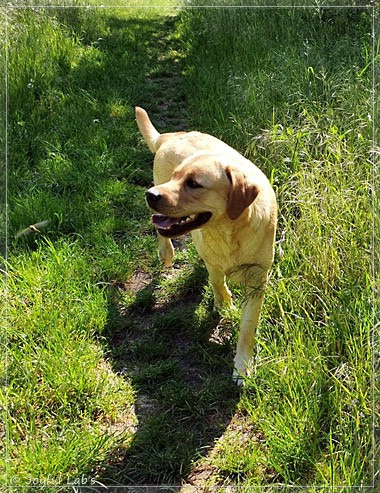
(177, 226)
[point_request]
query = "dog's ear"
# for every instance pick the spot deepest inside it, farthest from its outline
(241, 194)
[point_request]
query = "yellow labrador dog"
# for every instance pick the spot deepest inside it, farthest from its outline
(204, 186)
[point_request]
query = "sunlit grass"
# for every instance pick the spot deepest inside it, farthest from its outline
(304, 115)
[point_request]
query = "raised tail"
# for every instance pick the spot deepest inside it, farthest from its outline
(146, 128)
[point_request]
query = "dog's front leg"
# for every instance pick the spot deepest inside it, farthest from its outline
(165, 250)
(222, 295)
(251, 309)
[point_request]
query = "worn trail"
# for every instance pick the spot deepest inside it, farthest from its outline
(185, 398)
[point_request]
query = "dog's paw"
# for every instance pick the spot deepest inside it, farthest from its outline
(166, 258)
(238, 378)
(167, 263)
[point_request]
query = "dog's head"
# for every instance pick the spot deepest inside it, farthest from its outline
(202, 188)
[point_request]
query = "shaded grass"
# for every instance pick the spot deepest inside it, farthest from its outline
(297, 101)
(185, 396)
(76, 167)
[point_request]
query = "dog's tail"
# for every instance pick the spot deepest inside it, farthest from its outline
(147, 129)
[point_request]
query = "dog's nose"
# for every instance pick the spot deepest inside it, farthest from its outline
(153, 197)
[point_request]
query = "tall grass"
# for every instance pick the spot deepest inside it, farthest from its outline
(75, 226)
(292, 89)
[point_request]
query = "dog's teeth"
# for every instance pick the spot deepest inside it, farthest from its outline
(167, 223)
(188, 219)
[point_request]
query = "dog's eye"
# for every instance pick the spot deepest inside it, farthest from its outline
(193, 184)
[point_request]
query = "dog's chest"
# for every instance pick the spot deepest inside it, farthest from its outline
(222, 251)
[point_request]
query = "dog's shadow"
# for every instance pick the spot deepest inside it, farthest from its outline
(171, 346)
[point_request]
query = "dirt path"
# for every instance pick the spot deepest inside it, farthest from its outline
(167, 105)
(185, 398)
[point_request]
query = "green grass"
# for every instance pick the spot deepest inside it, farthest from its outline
(118, 372)
(301, 108)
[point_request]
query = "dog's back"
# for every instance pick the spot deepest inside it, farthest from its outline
(172, 148)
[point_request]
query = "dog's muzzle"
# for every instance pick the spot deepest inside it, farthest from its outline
(153, 198)
(170, 226)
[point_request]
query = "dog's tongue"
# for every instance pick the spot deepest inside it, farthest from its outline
(163, 221)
